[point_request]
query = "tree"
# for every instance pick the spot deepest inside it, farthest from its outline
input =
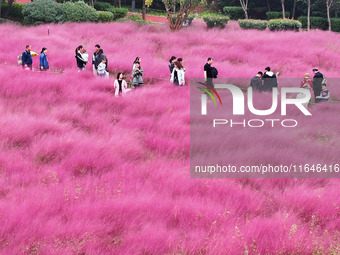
(328, 5)
(268, 5)
(244, 4)
(9, 6)
(283, 9)
(183, 13)
(294, 8)
(308, 15)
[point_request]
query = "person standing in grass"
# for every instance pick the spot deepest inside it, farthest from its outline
(26, 58)
(208, 72)
(269, 80)
(317, 83)
(137, 74)
(171, 64)
(256, 82)
(43, 60)
(180, 60)
(178, 74)
(81, 63)
(120, 85)
(97, 48)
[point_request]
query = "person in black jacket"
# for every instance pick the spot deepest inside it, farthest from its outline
(26, 58)
(208, 72)
(317, 83)
(81, 63)
(171, 64)
(99, 58)
(256, 82)
(97, 48)
(269, 80)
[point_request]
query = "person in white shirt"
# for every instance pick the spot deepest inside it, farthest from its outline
(178, 74)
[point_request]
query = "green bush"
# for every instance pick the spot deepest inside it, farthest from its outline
(335, 24)
(134, 17)
(188, 20)
(79, 12)
(43, 11)
(315, 22)
(253, 24)
(284, 24)
(102, 6)
(215, 20)
(105, 16)
(119, 13)
(234, 12)
(276, 15)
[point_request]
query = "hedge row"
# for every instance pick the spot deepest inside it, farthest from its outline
(49, 11)
(284, 24)
(218, 21)
(276, 15)
(320, 23)
(253, 24)
(234, 12)
(273, 25)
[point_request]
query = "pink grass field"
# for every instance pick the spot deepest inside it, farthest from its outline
(83, 172)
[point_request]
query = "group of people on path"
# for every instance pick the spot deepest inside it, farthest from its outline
(262, 82)
(266, 81)
(177, 71)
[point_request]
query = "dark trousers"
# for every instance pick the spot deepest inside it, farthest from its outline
(317, 92)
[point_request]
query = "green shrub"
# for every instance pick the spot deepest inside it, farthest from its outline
(276, 15)
(102, 6)
(43, 11)
(119, 13)
(105, 16)
(234, 12)
(79, 12)
(335, 24)
(253, 24)
(215, 20)
(315, 22)
(134, 17)
(284, 24)
(188, 20)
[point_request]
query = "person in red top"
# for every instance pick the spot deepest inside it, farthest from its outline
(307, 83)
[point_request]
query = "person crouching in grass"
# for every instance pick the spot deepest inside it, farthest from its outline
(43, 60)
(101, 70)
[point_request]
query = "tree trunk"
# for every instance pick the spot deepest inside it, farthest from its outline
(244, 4)
(143, 10)
(120, 3)
(91, 3)
(9, 6)
(294, 9)
(328, 5)
(133, 5)
(283, 9)
(336, 9)
(115, 3)
(268, 5)
(308, 15)
(0, 8)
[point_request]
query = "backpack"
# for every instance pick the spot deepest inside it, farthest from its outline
(19, 60)
(214, 72)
